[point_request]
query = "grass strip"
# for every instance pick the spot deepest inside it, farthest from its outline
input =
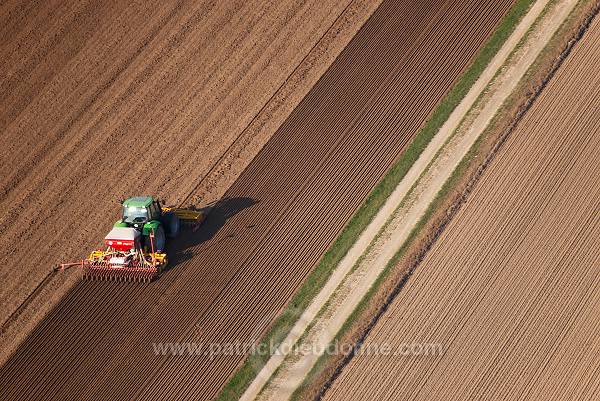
(320, 274)
(443, 195)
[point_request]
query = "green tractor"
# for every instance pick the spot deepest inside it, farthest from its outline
(145, 214)
(135, 247)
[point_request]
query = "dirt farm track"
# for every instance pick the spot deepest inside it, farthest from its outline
(511, 289)
(272, 225)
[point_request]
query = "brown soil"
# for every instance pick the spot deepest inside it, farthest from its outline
(273, 224)
(328, 371)
(80, 104)
(510, 296)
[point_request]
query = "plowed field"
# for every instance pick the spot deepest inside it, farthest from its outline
(270, 229)
(511, 291)
(99, 102)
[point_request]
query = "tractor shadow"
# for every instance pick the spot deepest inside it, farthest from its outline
(180, 249)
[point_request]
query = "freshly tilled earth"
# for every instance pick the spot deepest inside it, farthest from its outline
(506, 303)
(99, 102)
(270, 229)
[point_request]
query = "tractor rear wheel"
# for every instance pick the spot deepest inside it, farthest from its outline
(159, 240)
(173, 224)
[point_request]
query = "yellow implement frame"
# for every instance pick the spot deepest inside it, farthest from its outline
(194, 217)
(147, 258)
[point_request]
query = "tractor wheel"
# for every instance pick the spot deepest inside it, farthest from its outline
(159, 240)
(173, 224)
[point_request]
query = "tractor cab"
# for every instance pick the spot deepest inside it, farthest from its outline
(140, 210)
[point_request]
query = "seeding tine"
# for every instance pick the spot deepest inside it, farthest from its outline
(139, 271)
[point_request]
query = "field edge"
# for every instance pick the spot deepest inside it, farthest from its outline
(449, 199)
(363, 216)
